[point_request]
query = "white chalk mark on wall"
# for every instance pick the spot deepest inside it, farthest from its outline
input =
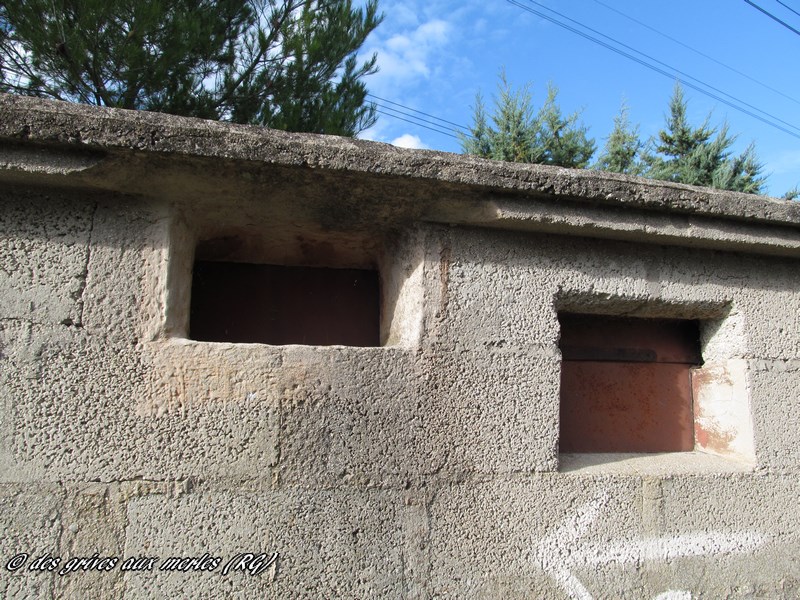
(561, 552)
(674, 595)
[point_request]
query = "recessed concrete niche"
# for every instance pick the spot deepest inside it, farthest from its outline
(626, 384)
(256, 284)
(649, 385)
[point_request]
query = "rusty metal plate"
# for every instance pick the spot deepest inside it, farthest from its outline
(625, 407)
(268, 304)
(603, 338)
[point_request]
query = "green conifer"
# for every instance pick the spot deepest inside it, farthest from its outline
(518, 134)
(623, 146)
(701, 155)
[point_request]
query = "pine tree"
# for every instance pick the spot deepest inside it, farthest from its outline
(701, 156)
(478, 142)
(741, 173)
(622, 150)
(518, 135)
(511, 138)
(289, 64)
(562, 140)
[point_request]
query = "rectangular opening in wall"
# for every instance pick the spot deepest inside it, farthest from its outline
(270, 304)
(626, 384)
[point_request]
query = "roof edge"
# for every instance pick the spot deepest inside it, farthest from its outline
(34, 121)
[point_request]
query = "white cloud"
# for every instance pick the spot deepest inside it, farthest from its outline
(382, 131)
(409, 141)
(404, 15)
(406, 55)
(373, 134)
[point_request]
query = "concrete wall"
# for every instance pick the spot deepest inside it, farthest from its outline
(428, 467)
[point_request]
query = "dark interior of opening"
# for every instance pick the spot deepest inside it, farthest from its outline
(270, 304)
(626, 384)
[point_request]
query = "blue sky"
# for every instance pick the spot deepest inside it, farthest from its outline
(435, 55)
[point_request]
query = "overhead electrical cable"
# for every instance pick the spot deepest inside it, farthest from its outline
(671, 68)
(773, 17)
(787, 6)
(698, 52)
(426, 121)
(456, 125)
(391, 111)
(422, 119)
(381, 112)
(386, 111)
(652, 67)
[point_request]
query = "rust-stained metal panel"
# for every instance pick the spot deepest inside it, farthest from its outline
(626, 384)
(268, 304)
(621, 407)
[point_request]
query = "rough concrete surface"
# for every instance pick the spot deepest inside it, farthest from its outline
(427, 467)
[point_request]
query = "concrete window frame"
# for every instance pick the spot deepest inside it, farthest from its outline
(397, 257)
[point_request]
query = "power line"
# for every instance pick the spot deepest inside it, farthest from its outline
(432, 122)
(383, 111)
(698, 52)
(773, 17)
(424, 120)
(417, 120)
(655, 68)
(789, 7)
(456, 125)
(671, 68)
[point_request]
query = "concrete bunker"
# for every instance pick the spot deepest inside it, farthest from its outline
(427, 466)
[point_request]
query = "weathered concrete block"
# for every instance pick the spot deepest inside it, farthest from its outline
(496, 412)
(325, 541)
(531, 537)
(30, 518)
(333, 433)
(93, 522)
(744, 547)
(774, 390)
(44, 249)
(96, 413)
(127, 253)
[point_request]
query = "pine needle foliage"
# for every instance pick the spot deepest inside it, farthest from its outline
(622, 152)
(289, 64)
